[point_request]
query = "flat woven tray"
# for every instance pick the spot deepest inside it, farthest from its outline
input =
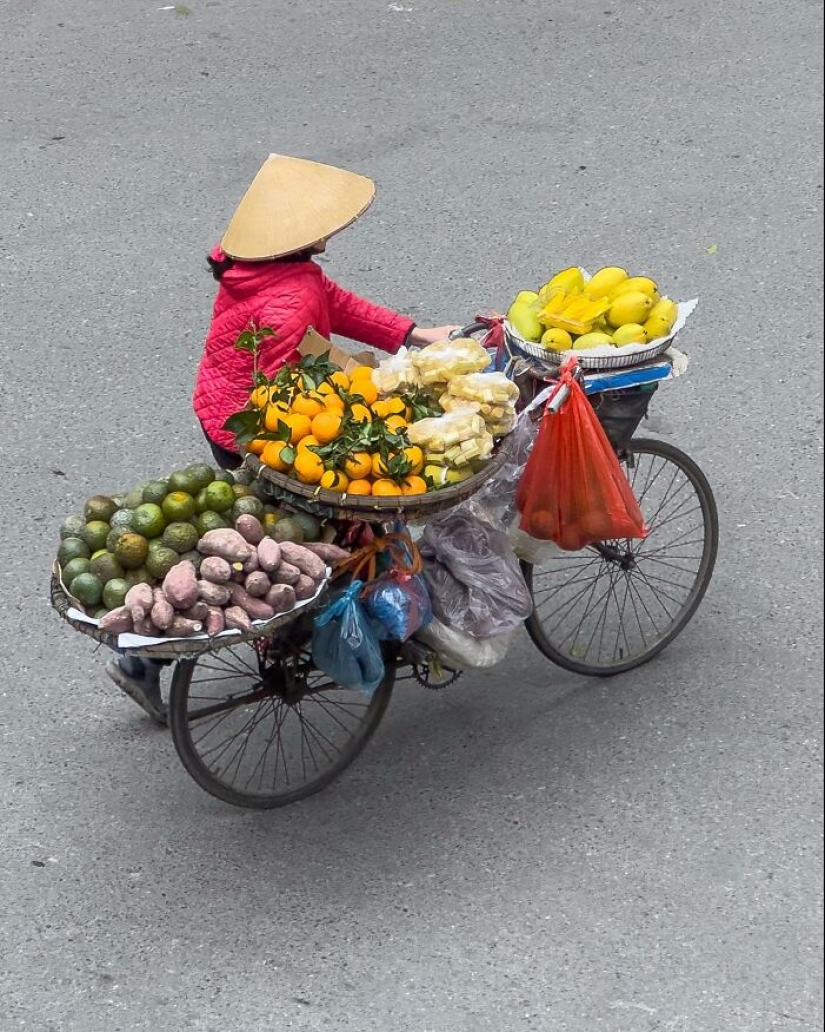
(171, 648)
(636, 355)
(333, 505)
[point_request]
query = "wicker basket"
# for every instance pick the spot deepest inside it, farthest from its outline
(553, 359)
(173, 648)
(332, 505)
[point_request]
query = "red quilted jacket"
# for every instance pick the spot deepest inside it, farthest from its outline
(289, 297)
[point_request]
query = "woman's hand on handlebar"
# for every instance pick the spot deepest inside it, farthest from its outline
(419, 336)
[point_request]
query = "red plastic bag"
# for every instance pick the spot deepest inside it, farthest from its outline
(573, 490)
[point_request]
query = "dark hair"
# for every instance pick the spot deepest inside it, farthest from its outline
(220, 267)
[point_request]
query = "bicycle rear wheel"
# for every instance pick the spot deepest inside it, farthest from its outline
(615, 605)
(262, 727)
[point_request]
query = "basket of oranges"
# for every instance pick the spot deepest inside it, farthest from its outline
(324, 440)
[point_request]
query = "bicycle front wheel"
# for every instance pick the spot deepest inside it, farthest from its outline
(615, 605)
(262, 728)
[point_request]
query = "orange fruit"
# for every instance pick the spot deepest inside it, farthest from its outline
(340, 379)
(416, 457)
(389, 407)
(306, 405)
(333, 403)
(260, 397)
(365, 389)
(379, 468)
(385, 488)
(358, 465)
(325, 388)
(308, 466)
(326, 426)
(360, 413)
(395, 423)
(271, 456)
(360, 372)
(359, 487)
(334, 480)
(413, 485)
(299, 424)
(274, 413)
(256, 447)
(309, 442)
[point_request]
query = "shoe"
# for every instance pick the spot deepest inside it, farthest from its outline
(143, 691)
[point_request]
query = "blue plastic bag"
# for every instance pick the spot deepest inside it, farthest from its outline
(345, 644)
(400, 603)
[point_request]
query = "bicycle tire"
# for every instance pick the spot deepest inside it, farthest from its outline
(592, 578)
(184, 717)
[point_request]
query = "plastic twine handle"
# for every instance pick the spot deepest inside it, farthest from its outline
(400, 548)
(340, 605)
(569, 374)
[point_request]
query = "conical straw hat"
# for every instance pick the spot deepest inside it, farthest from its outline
(291, 204)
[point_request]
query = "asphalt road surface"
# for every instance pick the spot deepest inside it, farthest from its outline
(530, 849)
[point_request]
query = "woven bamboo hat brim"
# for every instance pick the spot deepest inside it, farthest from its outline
(291, 204)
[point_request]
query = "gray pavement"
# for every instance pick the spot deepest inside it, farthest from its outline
(529, 850)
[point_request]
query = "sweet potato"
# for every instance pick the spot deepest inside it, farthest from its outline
(305, 588)
(307, 562)
(281, 597)
(140, 599)
(257, 584)
(237, 619)
(269, 554)
(226, 543)
(256, 608)
(197, 611)
(249, 527)
(183, 627)
(251, 564)
(117, 621)
(213, 594)
(180, 585)
(162, 612)
(215, 569)
(147, 628)
(215, 621)
(286, 573)
(330, 554)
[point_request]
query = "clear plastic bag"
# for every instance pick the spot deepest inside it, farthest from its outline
(345, 643)
(458, 650)
(399, 603)
(396, 374)
(440, 362)
(495, 500)
(473, 575)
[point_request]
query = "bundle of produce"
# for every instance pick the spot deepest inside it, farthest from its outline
(610, 308)
(453, 443)
(136, 538)
(396, 374)
(492, 395)
(438, 363)
(243, 577)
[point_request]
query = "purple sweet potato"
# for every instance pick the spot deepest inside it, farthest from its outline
(183, 627)
(215, 621)
(256, 608)
(251, 564)
(226, 543)
(237, 619)
(216, 570)
(281, 597)
(286, 573)
(162, 612)
(117, 621)
(257, 584)
(331, 554)
(307, 562)
(249, 527)
(213, 594)
(305, 588)
(269, 554)
(140, 599)
(180, 585)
